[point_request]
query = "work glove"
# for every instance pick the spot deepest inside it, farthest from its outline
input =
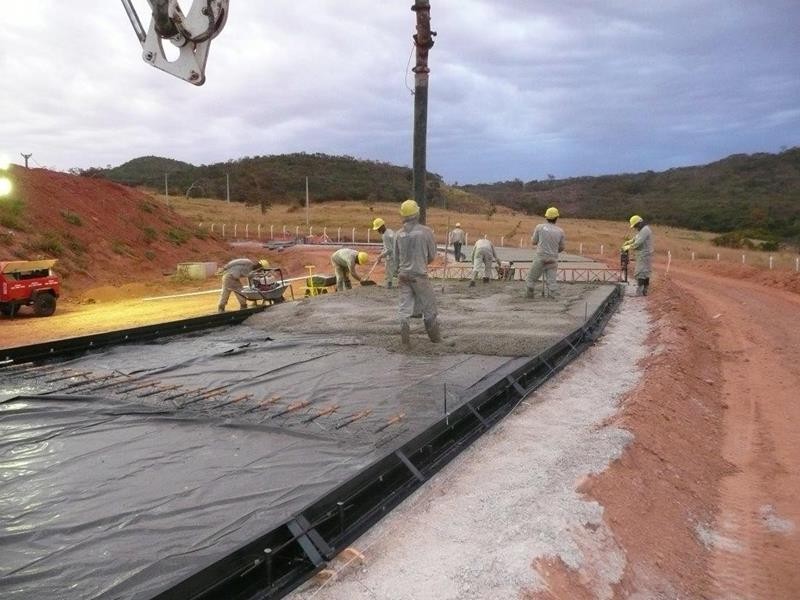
(626, 247)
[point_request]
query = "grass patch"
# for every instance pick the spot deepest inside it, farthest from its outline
(150, 235)
(147, 206)
(71, 217)
(48, 243)
(120, 248)
(150, 255)
(177, 236)
(74, 244)
(11, 211)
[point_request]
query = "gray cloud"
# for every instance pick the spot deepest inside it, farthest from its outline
(519, 88)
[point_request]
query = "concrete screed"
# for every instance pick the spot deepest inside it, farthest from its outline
(475, 530)
(489, 319)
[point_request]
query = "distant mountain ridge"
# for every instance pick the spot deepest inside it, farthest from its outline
(758, 193)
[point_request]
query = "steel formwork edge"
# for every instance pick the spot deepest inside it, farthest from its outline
(79, 345)
(273, 564)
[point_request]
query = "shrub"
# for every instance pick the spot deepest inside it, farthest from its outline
(71, 217)
(11, 214)
(150, 255)
(177, 236)
(147, 206)
(48, 243)
(120, 248)
(150, 234)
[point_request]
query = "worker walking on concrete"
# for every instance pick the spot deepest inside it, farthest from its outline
(483, 255)
(344, 263)
(415, 249)
(387, 235)
(549, 240)
(458, 238)
(232, 274)
(642, 244)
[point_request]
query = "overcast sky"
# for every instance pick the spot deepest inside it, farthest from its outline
(518, 88)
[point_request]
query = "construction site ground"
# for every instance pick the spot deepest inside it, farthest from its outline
(662, 464)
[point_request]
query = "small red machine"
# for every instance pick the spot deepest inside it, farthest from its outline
(28, 283)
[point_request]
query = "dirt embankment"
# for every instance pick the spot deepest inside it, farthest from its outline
(704, 498)
(103, 233)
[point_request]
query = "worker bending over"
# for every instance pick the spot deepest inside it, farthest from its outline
(549, 240)
(415, 249)
(458, 238)
(642, 244)
(387, 235)
(344, 263)
(483, 255)
(232, 274)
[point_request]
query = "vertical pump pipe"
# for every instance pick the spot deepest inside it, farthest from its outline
(423, 40)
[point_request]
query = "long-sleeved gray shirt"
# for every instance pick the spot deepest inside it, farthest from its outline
(458, 235)
(414, 248)
(388, 243)
(239, 267)
(345, 257)
(549, 240)
(484, 247)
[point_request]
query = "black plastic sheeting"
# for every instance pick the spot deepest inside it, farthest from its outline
(121, 492)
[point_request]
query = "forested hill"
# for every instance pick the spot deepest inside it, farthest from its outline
(279, 178)
(758, 194)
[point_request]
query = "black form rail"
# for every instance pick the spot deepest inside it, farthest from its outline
(79, 345)
(276, 562)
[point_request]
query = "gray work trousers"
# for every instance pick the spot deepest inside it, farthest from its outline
(391, 266)
(342, 277)
(416, 294)
(548, 267)
(230, 284)
(482, 262)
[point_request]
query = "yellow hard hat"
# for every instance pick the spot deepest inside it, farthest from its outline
(409, 208)
(264, 263)
(635, 220)
(458, 224)
(377, 224)
(363, 257)
(551, 213)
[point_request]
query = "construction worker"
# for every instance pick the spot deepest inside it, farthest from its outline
(344, 263)
(549, 240)
(483, 255)
(415, 249)
(387, 235)
(232, 274)
(458, 237)
(642, 244)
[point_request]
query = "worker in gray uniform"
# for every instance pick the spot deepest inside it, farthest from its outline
(415, 249)
(483, 255)
(387, 235)
(642, 245)
(344, 263)
(458, 238)
(232, 274)
(549, 240)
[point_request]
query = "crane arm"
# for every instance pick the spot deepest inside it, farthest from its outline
(190, 32)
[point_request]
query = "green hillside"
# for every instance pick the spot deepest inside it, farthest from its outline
(758, 194)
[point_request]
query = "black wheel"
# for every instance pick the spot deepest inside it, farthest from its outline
(44, 305)
(8, 310)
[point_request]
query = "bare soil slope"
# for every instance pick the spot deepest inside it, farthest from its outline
(103, 233)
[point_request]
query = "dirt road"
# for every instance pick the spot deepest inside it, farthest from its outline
(756, 541)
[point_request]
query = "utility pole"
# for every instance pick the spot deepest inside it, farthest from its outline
(228, 187)
(26, 157)
(423, 40)
(306, 201)
(166, 185)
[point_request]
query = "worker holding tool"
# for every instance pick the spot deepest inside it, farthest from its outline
(387, 235)
(483, 255)
(458, 238)
(232, 274)
(344, 263)
(642, 245)
(415, 249)
(549, 240)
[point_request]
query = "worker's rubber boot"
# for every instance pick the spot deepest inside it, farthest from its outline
(432, 327)
(389, 285)
(530, 292)
(347, 284)
(485, 280)
(405, 333)
(645, 286)
(472, 283)
(640, 291)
